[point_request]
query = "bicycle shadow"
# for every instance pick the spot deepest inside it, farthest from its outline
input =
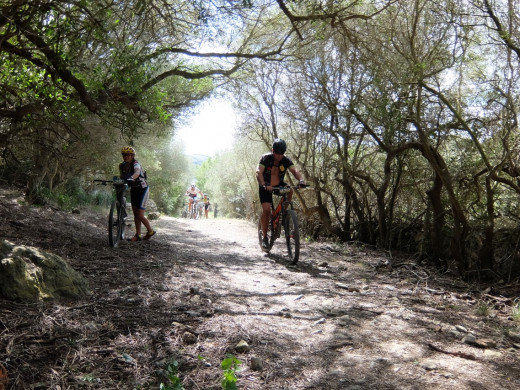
(305, 267)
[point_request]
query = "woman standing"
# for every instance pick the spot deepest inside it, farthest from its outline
(133, 172)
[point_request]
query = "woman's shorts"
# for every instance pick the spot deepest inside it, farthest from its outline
(139, 197)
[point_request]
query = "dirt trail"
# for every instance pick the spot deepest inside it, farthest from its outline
(342, 318)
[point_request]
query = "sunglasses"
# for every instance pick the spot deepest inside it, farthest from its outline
(127, 154)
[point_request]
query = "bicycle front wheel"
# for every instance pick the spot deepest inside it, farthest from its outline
(121, 218)
(269, 234)
(292, 235)
(114, 226)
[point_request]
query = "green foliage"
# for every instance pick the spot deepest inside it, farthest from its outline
(515, 310)
(230, 366)
(72, 194)
(229, 179)
(483, 309)
(171, 196)
(175, 382)
(168, 170)
(202, 173)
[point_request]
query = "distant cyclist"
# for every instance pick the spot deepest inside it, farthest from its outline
(206, 202)
(270, 173)
(192, 192)
(133, 172)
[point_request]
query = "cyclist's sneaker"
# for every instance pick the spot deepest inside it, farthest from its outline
(149, 235)
(135, 238)
(265, 243)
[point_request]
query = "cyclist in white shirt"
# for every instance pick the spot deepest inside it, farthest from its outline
(192, 192)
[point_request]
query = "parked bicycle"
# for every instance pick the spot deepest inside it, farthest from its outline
(283, 215)
(117, 214)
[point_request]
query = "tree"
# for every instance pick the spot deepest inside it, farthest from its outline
(118, 64)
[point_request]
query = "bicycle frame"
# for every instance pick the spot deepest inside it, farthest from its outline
(280, 210)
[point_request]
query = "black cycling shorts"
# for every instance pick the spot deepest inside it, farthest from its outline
(267, 196)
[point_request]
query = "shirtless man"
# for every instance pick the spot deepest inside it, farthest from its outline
(270, 173)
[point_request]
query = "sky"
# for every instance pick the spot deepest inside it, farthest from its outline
(210, 130)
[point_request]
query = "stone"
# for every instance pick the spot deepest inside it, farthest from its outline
(461, 329)
(189, 338)
(492, 354)
(429, 366)
(380, 362)
(151, 205)
(469, 339)
(515, 336)
(485, 343)
(30, 274)
(320, 321)
(446, 374)
(242, 346)
(256, 364)
(154, 215)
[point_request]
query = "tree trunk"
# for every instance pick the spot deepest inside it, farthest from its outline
(486, 257)
(434, 194)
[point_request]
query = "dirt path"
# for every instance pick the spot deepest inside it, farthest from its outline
(342, 318)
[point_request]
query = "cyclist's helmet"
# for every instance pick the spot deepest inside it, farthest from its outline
(127, 150)
(279, 146)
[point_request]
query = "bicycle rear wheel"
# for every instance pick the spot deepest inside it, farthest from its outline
(292, 235)
(269, 234)
(115, 225)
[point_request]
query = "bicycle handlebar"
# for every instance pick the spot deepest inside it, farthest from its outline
(283, 189)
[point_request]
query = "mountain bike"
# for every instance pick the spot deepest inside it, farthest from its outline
(117, 214)
(283, 215)
(192, 209)
(195, 209)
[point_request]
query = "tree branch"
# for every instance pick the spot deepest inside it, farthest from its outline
(504, 35)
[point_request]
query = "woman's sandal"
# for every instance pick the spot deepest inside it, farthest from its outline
(149, 235)
(135, 238)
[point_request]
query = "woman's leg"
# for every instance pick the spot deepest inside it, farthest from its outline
(142, 219)
(137, 221)
(139, 199)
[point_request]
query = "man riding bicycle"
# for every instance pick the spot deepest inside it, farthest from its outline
(270, 173)
(192, 192)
